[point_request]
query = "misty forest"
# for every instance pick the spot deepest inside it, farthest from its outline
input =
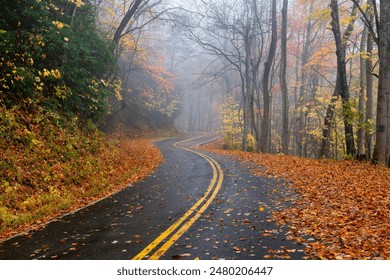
(299, 88)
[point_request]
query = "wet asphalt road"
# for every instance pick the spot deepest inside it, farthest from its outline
(236, 224)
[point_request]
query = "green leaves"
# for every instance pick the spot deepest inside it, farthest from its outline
(52, 66)
(53, 58)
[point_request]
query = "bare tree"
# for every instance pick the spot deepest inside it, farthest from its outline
(232, 31)
(265, 131)
(342, 87)
(133, 8)
(283, 80)
(306, 52)
(361, 151)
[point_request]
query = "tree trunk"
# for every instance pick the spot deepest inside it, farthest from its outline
(248, 88)
(295, 121)
(328, 124)
(341, 85)
(384, 84)
(265, 133)
(342, 77)
(300, 131)
(369, 92)
(283, 80)
(125, 21)
(361, 153)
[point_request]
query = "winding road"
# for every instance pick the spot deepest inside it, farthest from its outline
(196, 205)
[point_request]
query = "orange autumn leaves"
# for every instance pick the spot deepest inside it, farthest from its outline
(118, 163)
(344, 206)
(132, 161)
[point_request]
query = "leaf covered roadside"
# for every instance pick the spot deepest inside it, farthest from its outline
(343, 205)
(48, 169)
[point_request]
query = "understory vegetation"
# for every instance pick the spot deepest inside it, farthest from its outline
(55, 86)
(51, 165)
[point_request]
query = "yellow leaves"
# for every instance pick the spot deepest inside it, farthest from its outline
(30, 61)
(38, 84)
(261, 208)
(128, 44)
(232, 134)
(14, 71)
(47, 159)
(39, 39)
(61, 92)
(58, 24)
(78, 3)
(55, 73)
(322, 15)
(347, 20)
(323, 57)
(115, 86)
(46, 73)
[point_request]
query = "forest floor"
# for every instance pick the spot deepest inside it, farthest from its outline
(121, 159)
(343, 206)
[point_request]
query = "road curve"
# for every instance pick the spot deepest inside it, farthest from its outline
(195, 205)
(176, 230)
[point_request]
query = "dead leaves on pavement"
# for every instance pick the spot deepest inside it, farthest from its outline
(344, 206)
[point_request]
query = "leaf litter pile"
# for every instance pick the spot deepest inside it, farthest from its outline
(117, 162)
(343, 206)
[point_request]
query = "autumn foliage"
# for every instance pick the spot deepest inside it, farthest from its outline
(47, 169)
(343, 205)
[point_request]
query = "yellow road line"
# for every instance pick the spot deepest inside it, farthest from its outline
(187, 140)
(217, 170)
(191, 221)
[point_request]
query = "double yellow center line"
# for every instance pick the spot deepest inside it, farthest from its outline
(165, 240)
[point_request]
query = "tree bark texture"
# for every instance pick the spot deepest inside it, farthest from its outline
(283, 80)
(342, 76)
(380, 150)
(300, 122)
(125, 21)
(265, 132)
(361, 153)
(369, 93)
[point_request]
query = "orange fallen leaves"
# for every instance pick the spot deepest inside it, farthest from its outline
(121, 161)
(344, 205)
(130, 161)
